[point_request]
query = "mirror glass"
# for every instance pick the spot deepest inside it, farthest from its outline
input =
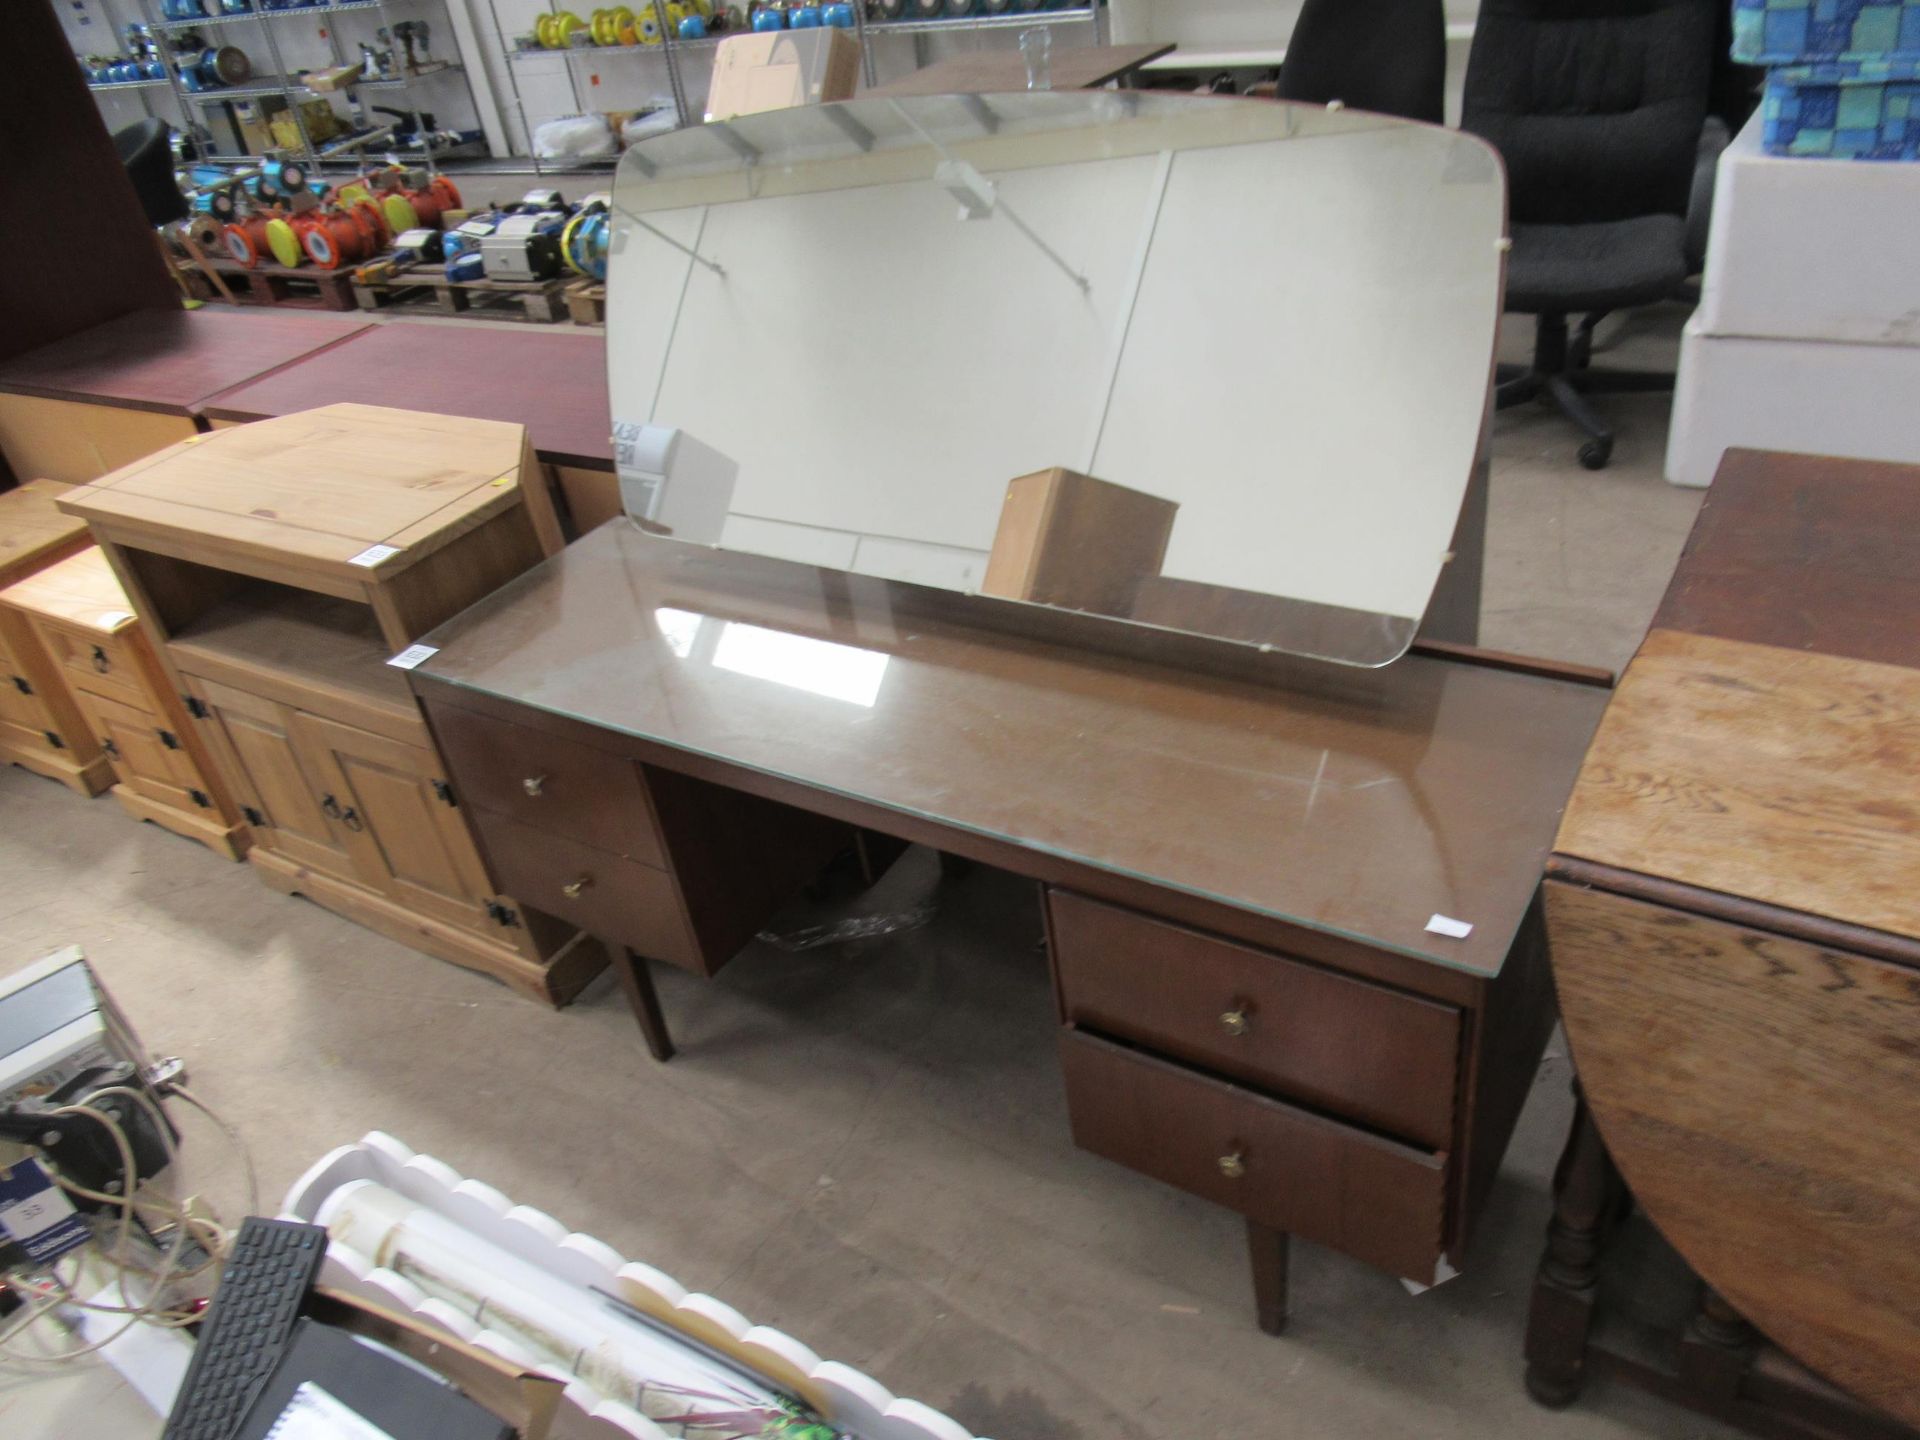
(1211, 364)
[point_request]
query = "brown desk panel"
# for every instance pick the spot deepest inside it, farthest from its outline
(552, 382)
(103, 398)
(168, 361)
(983, 72)
(1355, 803)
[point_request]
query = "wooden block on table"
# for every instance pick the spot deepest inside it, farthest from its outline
(1067, 539)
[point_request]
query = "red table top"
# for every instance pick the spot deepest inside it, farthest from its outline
(554, 382)
(170, 361)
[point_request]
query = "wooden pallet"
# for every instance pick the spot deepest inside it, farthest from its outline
(307, 288)
(539, 301)
(587, 302)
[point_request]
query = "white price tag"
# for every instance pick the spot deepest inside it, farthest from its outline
(413, 655)
(25, 1219)
(374, 554)
(111, 618)
(1448, 926)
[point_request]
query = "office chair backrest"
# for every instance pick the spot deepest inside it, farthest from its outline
(1388, 56)
(144, 150)
(1596, 105)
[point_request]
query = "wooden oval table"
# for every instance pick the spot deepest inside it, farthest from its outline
(1734, 909)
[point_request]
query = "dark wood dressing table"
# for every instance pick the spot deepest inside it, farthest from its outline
(1240, 853)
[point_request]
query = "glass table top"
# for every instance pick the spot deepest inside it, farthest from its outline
(1353, 801)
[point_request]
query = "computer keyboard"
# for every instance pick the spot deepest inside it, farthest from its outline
(247, 1325)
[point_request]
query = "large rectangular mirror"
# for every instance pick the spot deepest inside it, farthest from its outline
(1209, 364)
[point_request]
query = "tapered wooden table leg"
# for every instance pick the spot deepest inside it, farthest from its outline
(1268, 1249)
(637, 978)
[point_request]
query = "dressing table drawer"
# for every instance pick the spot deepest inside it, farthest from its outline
(1380, 1057)
(1374, 1199)
(559, 786)
(604, 894)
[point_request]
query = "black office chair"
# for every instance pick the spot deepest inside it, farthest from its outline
(1388, 56)
(1596, 107)
(146, 152)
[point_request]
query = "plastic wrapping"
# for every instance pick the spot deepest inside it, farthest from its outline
(575, 137)
(854, 927)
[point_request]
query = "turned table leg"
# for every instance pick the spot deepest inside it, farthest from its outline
(1587, 1196)
(1268, 1249)
(1716, 1349)
(636, 977)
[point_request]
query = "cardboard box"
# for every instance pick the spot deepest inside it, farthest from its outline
(340, 77)
(775, 69)
(266, 123)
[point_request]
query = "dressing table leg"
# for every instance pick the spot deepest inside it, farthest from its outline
(636, 978)
(1268, 1249)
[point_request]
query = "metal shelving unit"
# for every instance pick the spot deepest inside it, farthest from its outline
(277, 82)
(671, 49)
(1009, 20)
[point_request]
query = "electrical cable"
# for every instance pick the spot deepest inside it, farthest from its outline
(55, 1291)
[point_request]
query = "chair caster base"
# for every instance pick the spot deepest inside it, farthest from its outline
(1595, 454)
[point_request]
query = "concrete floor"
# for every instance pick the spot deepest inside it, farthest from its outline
(867, 1146)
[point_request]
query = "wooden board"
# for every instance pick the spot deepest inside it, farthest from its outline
(592, 496)
(1760, 772)
(302, 649)
(1760, 1097)
(540, 302)
(74, 441)
(1806, 552)
(170, 360)
(321, 487)
(985, 72)
(34, 531)
(80, 590)
(552, 382)
(1068, 539)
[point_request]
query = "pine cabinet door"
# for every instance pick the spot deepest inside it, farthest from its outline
(406, 837)
(253, 744)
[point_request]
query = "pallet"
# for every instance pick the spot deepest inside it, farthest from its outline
(307, 288)
(537, 301)
(587, 302)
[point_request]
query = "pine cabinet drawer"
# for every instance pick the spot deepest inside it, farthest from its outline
(604, 894)
(1373, 1199)
(1383, 1058)
(98, 664)
(559, 786)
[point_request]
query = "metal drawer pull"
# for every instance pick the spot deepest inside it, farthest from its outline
(348, 817)
(533, 784)
(100, 661)
(572, 889)
(1233, 1164)
(1236, 1020)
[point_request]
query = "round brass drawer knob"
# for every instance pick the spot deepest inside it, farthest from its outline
(1235, 1021)
(573, 888)
(534, 784)
(1233, 1164)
